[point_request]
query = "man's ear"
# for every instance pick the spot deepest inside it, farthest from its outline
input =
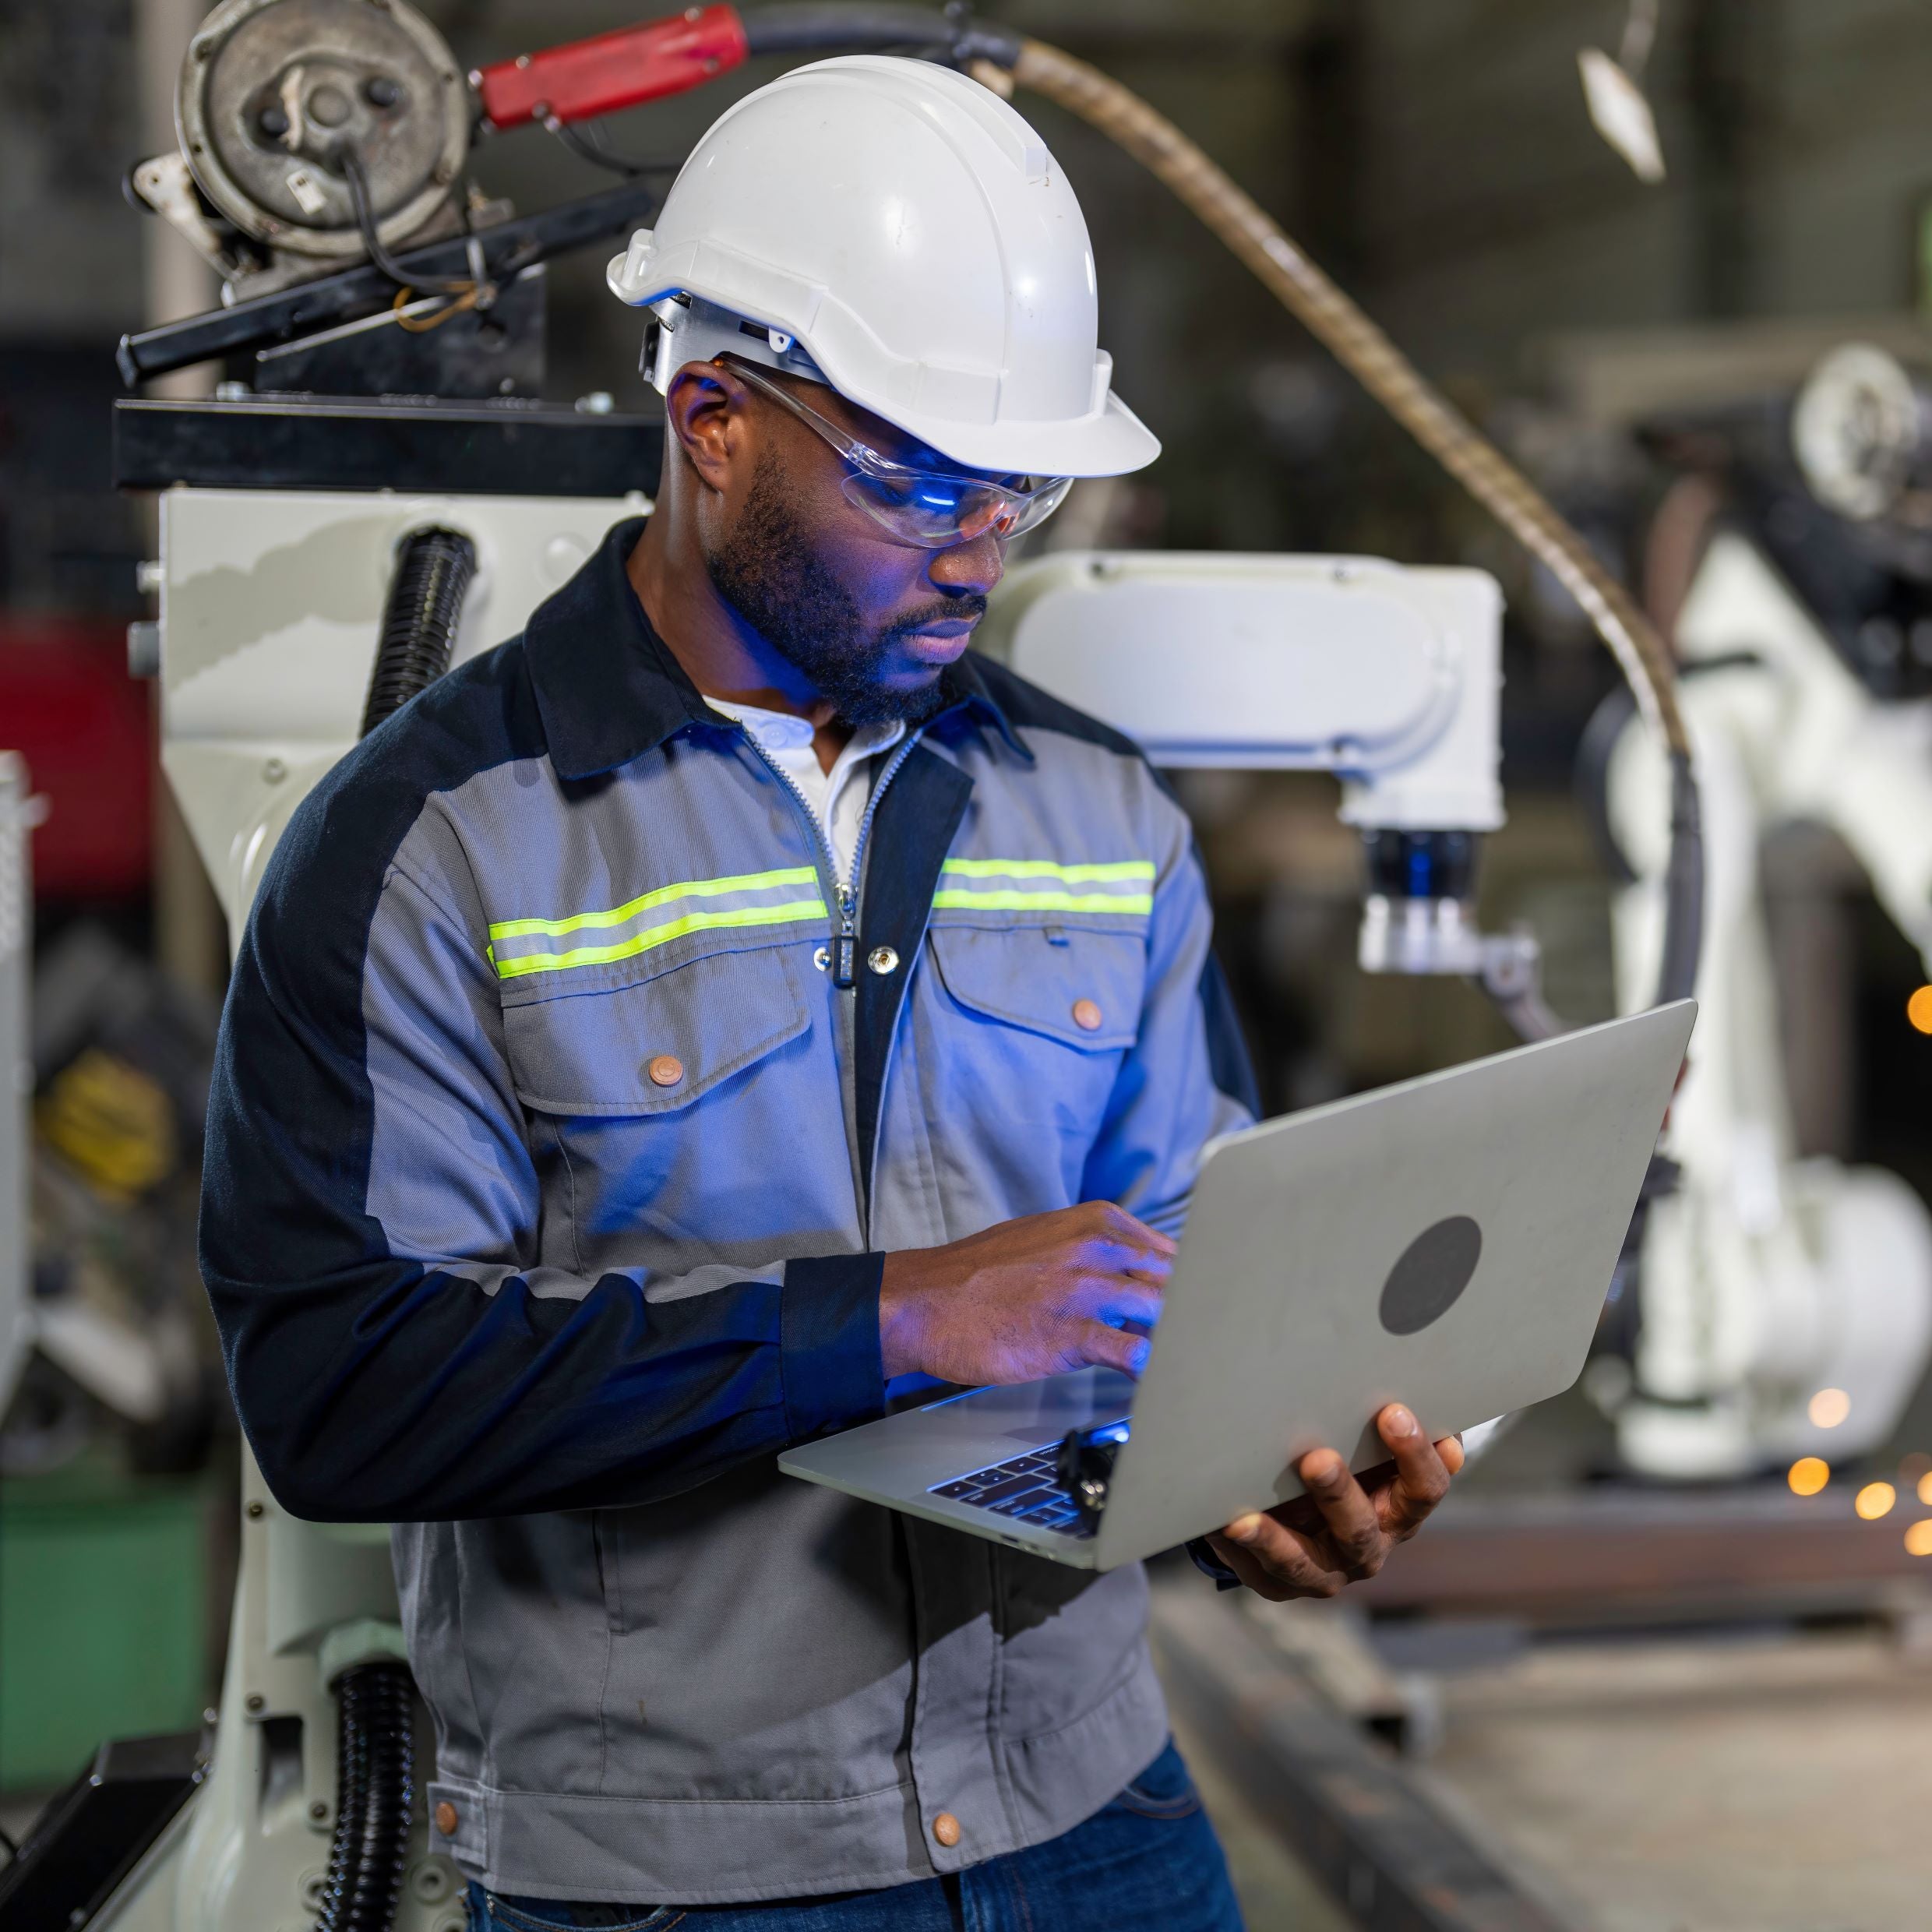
(705, 412)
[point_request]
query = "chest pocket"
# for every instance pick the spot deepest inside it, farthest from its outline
(657, 1044)
(1027, 1043)
(1077, 985)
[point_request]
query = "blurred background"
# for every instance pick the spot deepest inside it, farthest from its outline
(1665, 1662)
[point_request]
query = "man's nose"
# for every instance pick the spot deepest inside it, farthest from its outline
(975, 565)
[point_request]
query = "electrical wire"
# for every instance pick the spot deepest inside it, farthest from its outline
(354, 174)
(1361, 347)
(587, 145)
(950, 34)
(420, 325)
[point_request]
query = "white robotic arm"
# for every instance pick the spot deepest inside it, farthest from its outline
(1765, 1279)
(1387, 676)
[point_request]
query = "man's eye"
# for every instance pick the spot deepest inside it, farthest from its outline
(917, 492)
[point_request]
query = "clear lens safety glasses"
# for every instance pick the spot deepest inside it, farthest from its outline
(932, 510)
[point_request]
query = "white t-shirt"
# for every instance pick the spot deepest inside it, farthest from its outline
(838, 797)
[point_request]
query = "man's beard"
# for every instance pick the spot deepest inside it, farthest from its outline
(767, 569)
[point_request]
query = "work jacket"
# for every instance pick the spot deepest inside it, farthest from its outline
(550, 1170)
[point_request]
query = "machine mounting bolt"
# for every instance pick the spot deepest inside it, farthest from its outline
(319, 1810)
(255, 1510)
(256, 1701)
(274, 770)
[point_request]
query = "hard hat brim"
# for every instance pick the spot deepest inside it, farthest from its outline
(1108, 440)
(1111, 441)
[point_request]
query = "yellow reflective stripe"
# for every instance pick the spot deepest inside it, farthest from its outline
(654, 936)
(1058, 899)
(1124, 869)
(664, 895)
(1044, 901)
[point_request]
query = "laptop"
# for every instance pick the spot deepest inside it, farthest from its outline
(1447, 1242)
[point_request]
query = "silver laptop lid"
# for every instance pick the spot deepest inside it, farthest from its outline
(1446, 1242)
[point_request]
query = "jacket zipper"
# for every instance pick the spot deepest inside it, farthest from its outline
(844, 959)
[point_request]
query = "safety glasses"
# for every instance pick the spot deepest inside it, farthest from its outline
(932, 510)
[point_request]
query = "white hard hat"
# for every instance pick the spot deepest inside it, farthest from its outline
(897, 230)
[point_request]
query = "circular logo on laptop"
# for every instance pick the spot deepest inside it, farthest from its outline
(1434, 1269)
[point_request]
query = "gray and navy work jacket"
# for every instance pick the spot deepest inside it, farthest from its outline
(550, 1169)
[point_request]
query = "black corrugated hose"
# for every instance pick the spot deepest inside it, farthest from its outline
(433, 572)
(375, 1793)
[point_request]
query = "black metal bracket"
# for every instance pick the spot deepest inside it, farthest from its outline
(330, 442)
(353, 293)
(91, 1836)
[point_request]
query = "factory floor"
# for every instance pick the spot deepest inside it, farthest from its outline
(1771, 1782)
(1766, 1782)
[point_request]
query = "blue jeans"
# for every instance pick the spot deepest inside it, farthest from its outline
(1149, 1862)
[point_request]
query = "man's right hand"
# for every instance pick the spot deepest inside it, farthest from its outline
(1029, 1298)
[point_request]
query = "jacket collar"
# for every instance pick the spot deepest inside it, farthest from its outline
(608, 688)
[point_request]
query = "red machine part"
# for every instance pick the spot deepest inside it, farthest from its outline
(611, 71)
(68, 706)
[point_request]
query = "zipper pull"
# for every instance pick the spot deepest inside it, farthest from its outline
(845, 945)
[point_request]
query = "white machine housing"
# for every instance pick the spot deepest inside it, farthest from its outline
(1387, 676)
(270, 602)
(1767, 1278)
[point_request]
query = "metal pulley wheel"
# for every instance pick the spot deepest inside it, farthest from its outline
(1862, 431)
(280, 99)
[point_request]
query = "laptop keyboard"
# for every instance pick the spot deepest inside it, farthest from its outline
(1024, 1487)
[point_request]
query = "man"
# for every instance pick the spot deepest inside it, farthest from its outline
(714, 1013)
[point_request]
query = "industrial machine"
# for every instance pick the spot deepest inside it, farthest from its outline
(1786, 1303)
(385, 494)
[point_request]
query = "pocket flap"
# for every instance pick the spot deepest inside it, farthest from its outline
(1075, 985)
(658, 1046)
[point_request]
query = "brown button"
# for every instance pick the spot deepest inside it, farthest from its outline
(667, 1070)
(447, 1818)
(945, 1829)
(1086, 1016)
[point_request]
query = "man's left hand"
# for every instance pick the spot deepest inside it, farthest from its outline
(1342, 1531)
